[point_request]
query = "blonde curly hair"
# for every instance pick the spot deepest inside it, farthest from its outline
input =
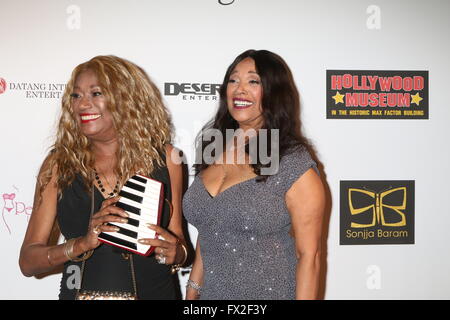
(140, 118)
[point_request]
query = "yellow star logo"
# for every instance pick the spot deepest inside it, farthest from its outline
(338, 98)
(416, 99)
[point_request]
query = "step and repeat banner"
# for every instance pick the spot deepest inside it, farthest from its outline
(373, 81)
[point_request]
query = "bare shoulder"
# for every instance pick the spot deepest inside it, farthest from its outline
(307, 190)
(48, 173)
(46, 182)
(49, 164)
(174, 161)
(44, 206)
(173, 156)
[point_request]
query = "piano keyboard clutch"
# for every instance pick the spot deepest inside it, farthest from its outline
(141, 198)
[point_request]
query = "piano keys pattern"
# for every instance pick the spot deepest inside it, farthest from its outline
(141, 198)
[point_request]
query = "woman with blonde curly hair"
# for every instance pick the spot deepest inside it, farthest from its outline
(113, 125)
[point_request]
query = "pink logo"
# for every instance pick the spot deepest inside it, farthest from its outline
(13, 210)
(8, 198)
(2, 85)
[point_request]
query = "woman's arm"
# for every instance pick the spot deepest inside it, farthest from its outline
(168, 244)
(35, 256)
(196, 274)
(176, 185)
(305, 201)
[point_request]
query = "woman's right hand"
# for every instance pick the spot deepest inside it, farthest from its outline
(107, 213)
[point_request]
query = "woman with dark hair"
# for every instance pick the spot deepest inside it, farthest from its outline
(259, 222)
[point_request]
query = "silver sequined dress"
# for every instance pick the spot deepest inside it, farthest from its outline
(246, 248)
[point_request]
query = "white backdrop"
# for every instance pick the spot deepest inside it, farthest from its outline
(193, 41)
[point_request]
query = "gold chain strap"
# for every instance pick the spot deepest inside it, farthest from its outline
(84, 261)
(129, 256)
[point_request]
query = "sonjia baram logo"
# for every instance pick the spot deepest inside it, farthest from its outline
(377, 212)
(377, 94)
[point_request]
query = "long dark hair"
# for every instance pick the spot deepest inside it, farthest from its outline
(280, 106)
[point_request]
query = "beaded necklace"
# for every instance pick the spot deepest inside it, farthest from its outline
(102, 188)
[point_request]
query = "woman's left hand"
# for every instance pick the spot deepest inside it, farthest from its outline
(166, 247)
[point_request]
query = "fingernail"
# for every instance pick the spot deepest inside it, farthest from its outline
(151, 226)
(116, 229)
(123, 220)
(141, 241)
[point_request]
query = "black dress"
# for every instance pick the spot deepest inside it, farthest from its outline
(106, 269)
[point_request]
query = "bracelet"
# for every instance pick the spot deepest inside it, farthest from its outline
(85, 256)
(68, 251)
(194, 285)
(68, 248)
(176, 267)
